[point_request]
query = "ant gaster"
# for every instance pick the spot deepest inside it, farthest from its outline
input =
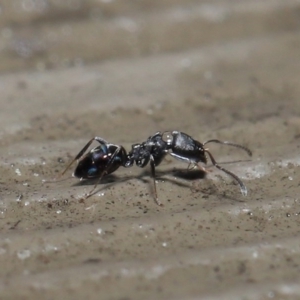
(107, 158)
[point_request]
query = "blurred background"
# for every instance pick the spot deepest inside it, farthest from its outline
(50, 34)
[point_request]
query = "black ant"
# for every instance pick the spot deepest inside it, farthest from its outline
(107, 158)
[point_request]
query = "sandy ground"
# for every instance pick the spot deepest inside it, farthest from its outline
(124, 70)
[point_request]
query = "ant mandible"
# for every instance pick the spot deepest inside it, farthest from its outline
(107, 158)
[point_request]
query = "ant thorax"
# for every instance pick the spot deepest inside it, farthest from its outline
(167, 137)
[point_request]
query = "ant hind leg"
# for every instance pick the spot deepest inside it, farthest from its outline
(82, 151)
(105, 171)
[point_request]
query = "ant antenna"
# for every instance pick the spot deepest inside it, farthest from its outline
(242, 186)
(240, 182)
(229, 144)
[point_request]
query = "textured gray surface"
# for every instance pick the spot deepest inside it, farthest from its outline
(123, 70)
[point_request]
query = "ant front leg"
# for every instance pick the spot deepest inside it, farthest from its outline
(82, 151)
(152, 164)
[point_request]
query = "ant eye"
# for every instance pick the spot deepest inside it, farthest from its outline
(168, 137)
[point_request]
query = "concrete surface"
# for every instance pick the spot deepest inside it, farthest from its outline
(124, 70)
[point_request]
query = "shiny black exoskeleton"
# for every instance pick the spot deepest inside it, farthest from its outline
(107, 158)
(99, 159)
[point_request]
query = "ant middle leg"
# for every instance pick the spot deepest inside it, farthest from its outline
(152, 164)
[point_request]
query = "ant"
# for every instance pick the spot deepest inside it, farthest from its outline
(107, 158)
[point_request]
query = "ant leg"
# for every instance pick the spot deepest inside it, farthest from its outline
(242, 186)
(105, 171)
(201, 168)
(81, 152)
(196, 165)
(229, 144)
(154, 183)
(192, 168)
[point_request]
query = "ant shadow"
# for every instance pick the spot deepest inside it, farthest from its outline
(145, 176)
(186, 174)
